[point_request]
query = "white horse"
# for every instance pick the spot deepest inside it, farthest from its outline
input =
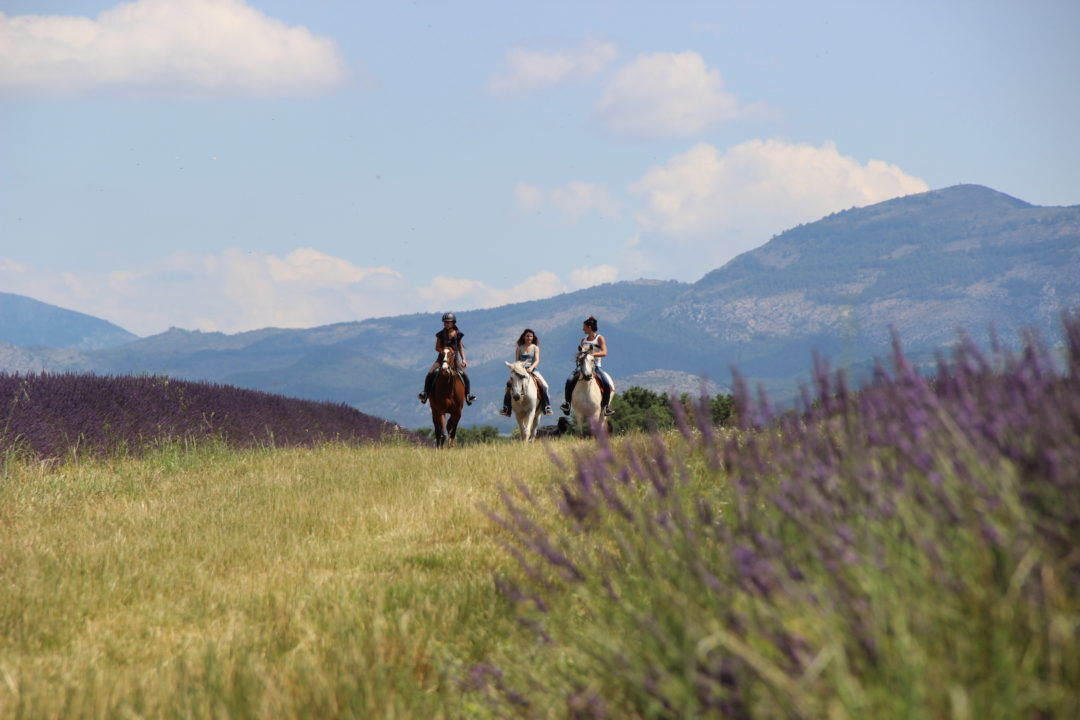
(524, 400)
(586, 398)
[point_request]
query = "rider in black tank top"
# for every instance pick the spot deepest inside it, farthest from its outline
(450, 337)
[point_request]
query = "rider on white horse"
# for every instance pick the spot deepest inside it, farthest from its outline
(595, 343)
(527, 351)
(450, 337)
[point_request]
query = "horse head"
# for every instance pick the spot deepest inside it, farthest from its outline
(519, 376)
(446, 363)
(586, 363)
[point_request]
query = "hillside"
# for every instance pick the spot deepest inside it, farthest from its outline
(53, 415)
(29, 323)
(924, 265)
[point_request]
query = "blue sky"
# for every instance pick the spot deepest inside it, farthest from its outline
(228, 165)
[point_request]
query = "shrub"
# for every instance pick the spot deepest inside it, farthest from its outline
(907, 550)
(640, 409)
(54, 415)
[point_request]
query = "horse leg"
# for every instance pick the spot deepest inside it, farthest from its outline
(534, 424)
(526, 426)
(451, 427)
(437, 423)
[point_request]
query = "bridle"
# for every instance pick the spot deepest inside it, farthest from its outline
(444, 364)
(585, 373)
(518, 384)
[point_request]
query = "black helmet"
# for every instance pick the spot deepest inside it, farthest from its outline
(449, 317)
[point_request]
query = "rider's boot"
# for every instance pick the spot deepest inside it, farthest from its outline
(545, 401)
(428, 382)
(506, 402)
(469, 397)
(569, 392)
(605, 398)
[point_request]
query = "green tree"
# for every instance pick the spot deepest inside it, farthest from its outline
(641, 409)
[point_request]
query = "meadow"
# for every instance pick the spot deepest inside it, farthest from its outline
(338, 581)
(904, 550)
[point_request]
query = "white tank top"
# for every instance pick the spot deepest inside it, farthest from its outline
(594, 345)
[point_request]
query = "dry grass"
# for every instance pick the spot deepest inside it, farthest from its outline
(334, 582)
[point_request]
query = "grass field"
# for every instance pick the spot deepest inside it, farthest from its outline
(909, 550)
(334, 582)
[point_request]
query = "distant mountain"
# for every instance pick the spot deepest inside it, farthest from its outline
(28, 323)
(31, 360)
(926, 265)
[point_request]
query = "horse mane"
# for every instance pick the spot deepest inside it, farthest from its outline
(518, 367)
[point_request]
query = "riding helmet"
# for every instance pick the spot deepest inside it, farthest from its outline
(449, 317)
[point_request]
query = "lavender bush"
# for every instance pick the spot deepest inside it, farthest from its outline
(905, 550)
(57, 415)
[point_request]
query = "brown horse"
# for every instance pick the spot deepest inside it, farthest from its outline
(447, 398)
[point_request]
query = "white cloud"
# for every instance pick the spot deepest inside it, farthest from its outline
(529, 197)
(589, 275)
(186, 47)
(578, 198)
(466, 294)
(710, 205)
(233, 291)
(575, 199)
(529, 69)
(451, 290)
(668, 94)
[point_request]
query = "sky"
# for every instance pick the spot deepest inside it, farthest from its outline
(227, 165)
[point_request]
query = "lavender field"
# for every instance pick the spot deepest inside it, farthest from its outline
(905, 549)
(60, 415)
(911, 549)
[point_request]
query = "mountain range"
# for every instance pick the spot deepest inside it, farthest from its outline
(923, 266)
(26, 322)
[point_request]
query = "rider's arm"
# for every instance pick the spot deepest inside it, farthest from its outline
(601, 349)
(438, 344)
(536, 358)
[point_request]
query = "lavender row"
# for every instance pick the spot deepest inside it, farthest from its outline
(56, 415)
(904, 549)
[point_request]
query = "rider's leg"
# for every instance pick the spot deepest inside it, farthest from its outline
(429, 386)
(506, 401)
(429, 381)
(469, 397)
(606, 388)
(569, 392)
(545, 401)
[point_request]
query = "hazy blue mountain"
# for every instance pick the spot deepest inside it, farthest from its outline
(29, 323)
(378, 365)
(926, 265)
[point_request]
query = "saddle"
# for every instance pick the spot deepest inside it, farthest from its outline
(595, 379)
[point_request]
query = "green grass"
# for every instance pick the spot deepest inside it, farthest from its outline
(358, 582)
(334, 582)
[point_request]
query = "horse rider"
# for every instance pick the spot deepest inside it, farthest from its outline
(448, 337)
(527, 351)
(594, 342)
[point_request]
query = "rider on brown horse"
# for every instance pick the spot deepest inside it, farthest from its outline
(450, 337)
